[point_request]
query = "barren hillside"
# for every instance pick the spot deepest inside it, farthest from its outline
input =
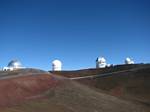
(47, 92)
(132, 83)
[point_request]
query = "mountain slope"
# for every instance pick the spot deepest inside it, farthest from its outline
(74, 97)
(129, 85)
(47, 92)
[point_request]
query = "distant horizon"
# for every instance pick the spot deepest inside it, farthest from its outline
(73, 69)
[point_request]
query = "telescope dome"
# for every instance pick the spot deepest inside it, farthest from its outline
(101, 60)
(15, 64)
(129, 61)
(56, 65)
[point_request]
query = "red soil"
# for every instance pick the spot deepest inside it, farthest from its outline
(17, 90)
(56, 94)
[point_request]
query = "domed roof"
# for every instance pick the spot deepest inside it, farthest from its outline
(15, 64)
(129, 61)
(101, 60)
(56, 63)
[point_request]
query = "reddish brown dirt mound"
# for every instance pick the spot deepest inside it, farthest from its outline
(73, 97)
(16, 90)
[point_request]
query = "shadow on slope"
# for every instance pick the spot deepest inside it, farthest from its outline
(130, 85)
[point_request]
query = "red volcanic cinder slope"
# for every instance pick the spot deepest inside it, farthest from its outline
(18, 89)
(45, 92)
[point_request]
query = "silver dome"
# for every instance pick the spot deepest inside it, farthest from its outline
(14, 64)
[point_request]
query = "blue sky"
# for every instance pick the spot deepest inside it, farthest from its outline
(75, 31)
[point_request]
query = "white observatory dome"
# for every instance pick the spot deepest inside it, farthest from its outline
(56, 65)
(14, 64)
(129, 61)
(101, 62)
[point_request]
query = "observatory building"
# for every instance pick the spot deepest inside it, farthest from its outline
(101, 62)
(56, 65)
(129, 61)
(13, 65)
